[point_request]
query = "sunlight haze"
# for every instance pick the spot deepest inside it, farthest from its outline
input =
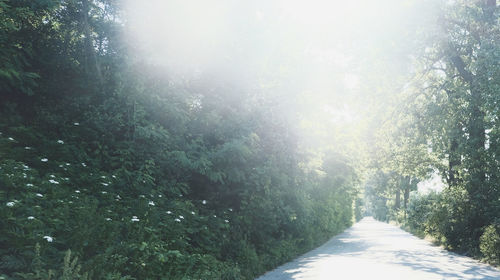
(239, 140)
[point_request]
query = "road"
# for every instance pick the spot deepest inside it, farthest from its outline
(376, 250)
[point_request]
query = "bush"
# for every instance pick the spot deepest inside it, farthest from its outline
(451, 218)
(132, 212)
(490, 244)
(419, 209)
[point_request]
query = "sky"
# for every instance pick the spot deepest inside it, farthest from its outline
(434, 183)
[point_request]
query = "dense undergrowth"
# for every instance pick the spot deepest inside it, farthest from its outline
(109, 170)
(446, 218)
(55, 198)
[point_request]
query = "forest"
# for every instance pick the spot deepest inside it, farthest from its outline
(172, 140)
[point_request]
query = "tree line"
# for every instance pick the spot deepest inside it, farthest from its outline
(446, 124)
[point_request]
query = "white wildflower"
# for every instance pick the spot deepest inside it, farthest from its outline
(66, 179)
(53, 182)
(142, 196)
(44, 160)
(118, 196)
(192, 212)
(108, 219)
(29, 185)
(39, 195)
(31, 218)
(24, 175)
(52, 176)
(231, 209)
(68, 164)
(27, 148)
(25, 167)
(204, 202)
(226, 221)
(83, 164)
(215, 216)
(103, 177)
(10, 204)
(48, 238)
(177, 220)
(104, 184)
(77, 191)
(60, 141)
(61, 166)
(182, 217)
(113, 176)
(151, 203)
(11, 139)
(103, 192)
(160, 195)
(169, 212)
(76, 123)
(134, 219)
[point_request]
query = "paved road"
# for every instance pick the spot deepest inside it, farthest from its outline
(375, 250)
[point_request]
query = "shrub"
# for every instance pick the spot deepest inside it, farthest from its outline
(490, 244)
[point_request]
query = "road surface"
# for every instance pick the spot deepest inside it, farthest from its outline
(375, 250)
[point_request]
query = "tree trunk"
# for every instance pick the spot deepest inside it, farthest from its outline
(475, 126)
(398, 199)
(477, 138)
(454, 156)
(91, 62)
(406, 197)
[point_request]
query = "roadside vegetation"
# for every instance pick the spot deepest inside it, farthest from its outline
(447, 125)
(112, 169)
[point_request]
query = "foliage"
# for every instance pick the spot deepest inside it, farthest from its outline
(444, 216)
(490, 244)
(109, 170)
(443, 122)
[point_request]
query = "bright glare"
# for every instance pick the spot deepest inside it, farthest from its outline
(322, 48)
(433, 184)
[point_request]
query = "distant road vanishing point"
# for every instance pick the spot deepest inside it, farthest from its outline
(375, 250)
